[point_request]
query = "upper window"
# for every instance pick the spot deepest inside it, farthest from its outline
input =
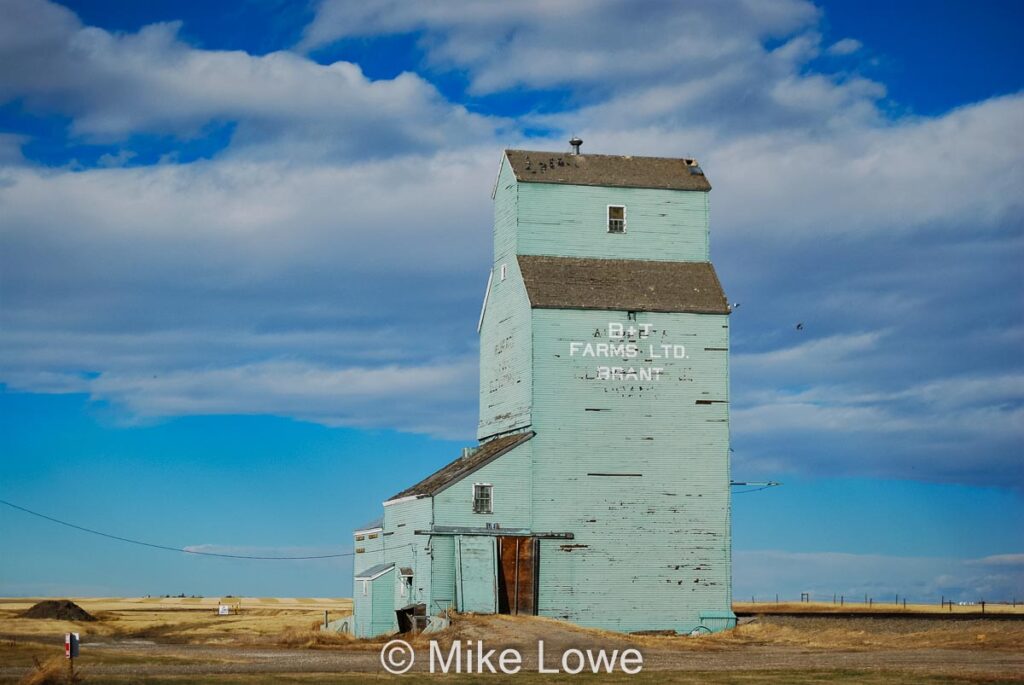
(616, 218)
(482, 498)
(504, 271)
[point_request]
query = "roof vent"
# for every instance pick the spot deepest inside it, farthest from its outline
(575, 142)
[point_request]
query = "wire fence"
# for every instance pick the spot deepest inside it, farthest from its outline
(890, 602)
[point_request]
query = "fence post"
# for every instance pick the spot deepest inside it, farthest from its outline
(841, 600)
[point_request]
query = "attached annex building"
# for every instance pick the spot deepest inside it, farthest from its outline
(599, 491)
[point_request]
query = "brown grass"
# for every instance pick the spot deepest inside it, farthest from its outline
(174, 619)
(54, 671)
(876, 607)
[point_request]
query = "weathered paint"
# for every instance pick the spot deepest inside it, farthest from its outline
(572, 221)
(383, 607)
(476, 574)
(395, 543)
(633, 463)
(651, 547)
(362, 609)
(511, 476)
(505, 369)
(442, 581)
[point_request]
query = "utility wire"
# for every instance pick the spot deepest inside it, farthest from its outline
(743, 492)
(176, 549)
(764, 486)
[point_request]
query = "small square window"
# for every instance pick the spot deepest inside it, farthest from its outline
(482, 498)
(616, 218)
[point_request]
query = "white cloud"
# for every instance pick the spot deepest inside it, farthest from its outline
(845, 46)
(1002, 560)
(429, 398)
(346, 226)
(601, 45)
(242, 287)
(763, 573)
(813, 355)
(116, 84)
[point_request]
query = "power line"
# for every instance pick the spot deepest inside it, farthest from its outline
(764, 486)
(175, 549)
(743, 492)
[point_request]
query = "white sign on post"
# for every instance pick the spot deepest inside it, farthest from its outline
(70, 645)
(224, 610)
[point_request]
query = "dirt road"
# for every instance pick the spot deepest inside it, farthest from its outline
(749, 651)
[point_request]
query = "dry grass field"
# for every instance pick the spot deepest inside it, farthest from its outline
(860, 607)
(174, 619)
(183, 640)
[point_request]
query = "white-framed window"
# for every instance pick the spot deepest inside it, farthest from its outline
(366, 587)
(616, 218)
(504, 271)
(483, 498)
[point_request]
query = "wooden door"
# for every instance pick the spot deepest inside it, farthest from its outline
(517, 579)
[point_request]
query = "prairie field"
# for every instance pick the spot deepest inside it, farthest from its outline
(184, 640)
(769, 607)
(177, 619)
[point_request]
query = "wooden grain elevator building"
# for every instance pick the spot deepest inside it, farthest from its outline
(599, 490)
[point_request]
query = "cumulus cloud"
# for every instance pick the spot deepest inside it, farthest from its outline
(846, 46)
(113, 85)
(343, 234)
(603, 46)
(763, 573)
(251, 288)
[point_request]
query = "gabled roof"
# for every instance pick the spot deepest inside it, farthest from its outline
(463, 466)
(375, 572)
(665, 173)
(622, 285)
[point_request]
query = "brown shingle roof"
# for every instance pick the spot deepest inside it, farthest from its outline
(622, 284)
(617, 171)
(463, 466)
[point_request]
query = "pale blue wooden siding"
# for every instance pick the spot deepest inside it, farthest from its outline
(362, 610)
(510, 474)
(383, 608)
(652, 550)
(407, 549)
(476, 578)
(637, 469)
(506, 213)
(571, 221)
(368, 552)
(442, 581)
(505, 331)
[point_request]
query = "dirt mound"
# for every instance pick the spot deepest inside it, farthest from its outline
(61, 609)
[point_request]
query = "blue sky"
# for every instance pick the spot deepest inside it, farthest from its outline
(243, 246)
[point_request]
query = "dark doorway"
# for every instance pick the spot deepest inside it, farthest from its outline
(517, 575)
